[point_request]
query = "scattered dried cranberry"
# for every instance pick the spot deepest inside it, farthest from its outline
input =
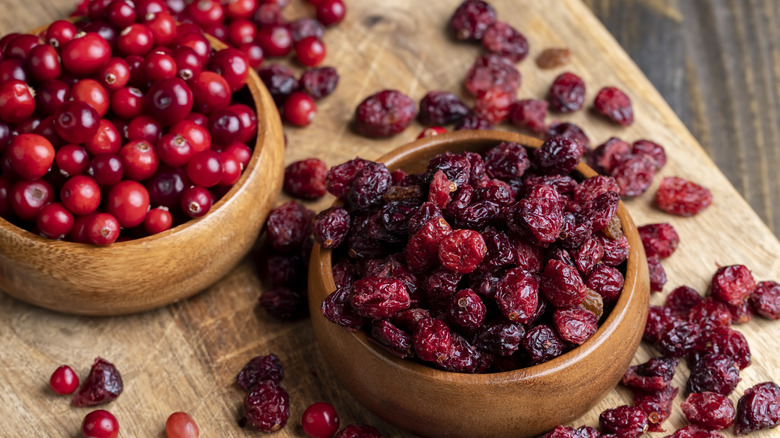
(338, 310)
(473, 121)
(384, 114)
(529, 113)
(659, 240)
(625, 421)
(569, 130)
(504, 40)
(683, 198)
(657, 405)
(681, 300)
(494, 105)
(732, 284)
(102, 385)
(766, 299)
(567, 93)
(283, 303)
(258, 369)
(319, 82)
(657, 274)
(694, 431)
(634, 174)
(758, 408)
(710, 313)
(714, 373)
(306, 178)
(652, 150)
(653, 375)
(471, 19)
(492, 71)
(558, 156)
(615, 105)
(267, 406)
(679, 338)
(709, 410)
(609, 155)
(441, 108)
(726, 341)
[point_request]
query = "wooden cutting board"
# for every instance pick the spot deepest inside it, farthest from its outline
(186, 356)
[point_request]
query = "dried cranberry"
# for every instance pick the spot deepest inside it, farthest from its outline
(658, 318)
(541, 344)
(758, 408)
(279, 80)
(517, 295)
(338, 310)
(634, 174)
(615, 105)
(710, 313)
(654, 375)
(384, 114)
(330, 227)
(441, 108)
(681, 300)
(369, 185)
(732, 284)
(659, 239)
(306, 178)
(766, 299)
(473, 121)
(431, 339)
(529, 113)
(683, 198)
(714, 372)
(657, 274)
(465, 358)
(467, 309)
(742, 313)
(377, 298)
(359, 431)
(502, 339)
(657, 405)
(267, 406)
(709, 410)
(504, 40)
(102, 385)
(575, 325)
(440, 285)
(494, 105)
(339, 178)
(694, 431)
(567, 93)
(492, 71)
(462, 251)
(569, 130)
(607, 281)
(471, 19)
(319, 82)
(652, 150)
(541, 214)
(258, 369)
(727, 341)
(562, 285)
(625, 421)
(558, 156)
(288, 225)
(391, 338)
(608, 155)
(679, 338)
(423, 247)
(283, 303)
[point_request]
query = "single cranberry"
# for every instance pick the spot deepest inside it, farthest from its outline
(29, 197)
(72, 160)
(615, 105)
(268, 14)
(306, 27)
(197, 42)
(248, 119)
(59, 33)
(80, 195)
(64, 380)
(128, 201)
(163, 27)
(241, 152)
(241, 32)
(232, 65)
(30, 155)
(205, 168)
(135, 64)
(144, 128)
(100, 424)
(47, 129)
(188, 63)
(494, 105)
(205, 12)
(147, 7)
(92, 93)
(96, 10)
(85, 54)
(76, 122)
(127, 102)
(12, 69)
(385, 113)
(166, 187)
(196, 201)
(43, 63)
(471, 19)
(320, 420)
(299, 109)
(310, 51)
(50, 95)
(136, 39)
(431, 131)
(683, 198)
(504, 40)
(276, 40)
(17, 102)
(139, 160)
(115, 74)
(231, 169)
(196, 134)
(120, 13)
(107, 169)
(5, 40)
(279, 80)
(55, 222)
(225, 127)
(159, 65)
(104, 30)
(330, 12)
(567, 93)
(169, 101)
(21, 46)
(174, 150)
(254, 54)
(210, 91)
(240, 9)
(181, 425)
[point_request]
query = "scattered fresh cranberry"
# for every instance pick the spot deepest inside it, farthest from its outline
(320, 420)
(181, 425)
(64, 380)
(299, 109)
(100, 424)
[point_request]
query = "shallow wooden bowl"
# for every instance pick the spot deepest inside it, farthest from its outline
(154, 271)
(521, 403)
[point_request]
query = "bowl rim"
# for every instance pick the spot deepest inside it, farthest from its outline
(253, 86)
(566, 360)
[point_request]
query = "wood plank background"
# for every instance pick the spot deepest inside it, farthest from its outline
(185, 356)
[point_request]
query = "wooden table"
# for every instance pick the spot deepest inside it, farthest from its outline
(185, 356)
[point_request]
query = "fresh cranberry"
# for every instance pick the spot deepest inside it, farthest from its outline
(166, 187)
(248, 119)
(241, 32)
(232, 65)
(100, 424)
(188, 63)
(205, 168)
(144, 128)
(21, 46)
(76, 122)
(72, 160)
(197, 42)
(159, 65)
(197, 135)
(50, 95)
(136, 39)
(43, 63)
(115, 74)
(330, 12)
(320, 420)
(47, 129)
(104, 30)
(163, 27)
(30, 155)
(92, 93)
(107, 169)
(241, 152)
(12, 69)
(310, 51)
(169, 101)
(84, 55)
(55, 222)
(135, 64)
(299, 109)
(275, 40)
(196, 201)
(231, 169)
(181, 425)
(254, 54)
(210, 91)
(64, 380)
(29, 197)
(17, 102)
(128, 201)
(80, 195)
(127, 102)
(205, 12)
(120, 13)
(225, 127)
(139, 160)
(59, 33)
(174, 150)
(96, 10)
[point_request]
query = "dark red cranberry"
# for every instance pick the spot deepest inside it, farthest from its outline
(13, 69)
(107, 169)
(54, 221)
(682, 299)
(102, 385)
(27, 198)
(267, 406)
(542, 344)
(320, 420)
(248, 119)
(136, 39)
(634, 174)
(169, 101)
(306, 27)
(258, 369)
(50, 95)
(359, 431)
(21, 46)
(166, 187)
(210, 91)
(30, 155)
(651, 376)
(72, 160)
(144, 128)
(384, 114)
(653, 150)
(241, 32)
(766, 299)
(84, 55)
(306, 178)
(232, 65)
(254, 54)
(104, 30)
(188, 63)
(529, 113)
(492, 71)
(197, 42)
(120, 14)
(471, 19)
(64, 380)
(17, 102)
(139, 160)
(319, 82)
(758, 408)
(196, 201)
(732, 284)
(659, 239)
(197, 135)
(96, 10)
(626, 421)
(231, 169)
(100, 424)
(567, 93)
(205, 168)
(76, 122)
(504, 40)
(279, 80)
(43, 63)
(59, 33)
(615, 105)
(288, 226)
(714, 372)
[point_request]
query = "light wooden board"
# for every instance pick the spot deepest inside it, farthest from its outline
(185, 357)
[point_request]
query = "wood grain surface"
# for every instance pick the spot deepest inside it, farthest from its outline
(185, 356)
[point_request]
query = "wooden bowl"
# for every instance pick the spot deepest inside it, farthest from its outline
(154, 271)
(522, 403)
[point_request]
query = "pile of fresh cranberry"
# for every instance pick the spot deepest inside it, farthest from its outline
(120, 126)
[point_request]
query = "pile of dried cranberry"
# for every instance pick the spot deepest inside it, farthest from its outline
(119, 127)
(479, 263)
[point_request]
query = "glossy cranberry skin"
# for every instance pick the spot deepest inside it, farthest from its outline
(43, 63)
(163, 27)
(174, 150)
(181, 425)
(48, 130)
(16, 101)
(197, 42)
(128, 201)
(196, 201)
(159, 65)
(76, 122)
(59, 33)
(64, 380)
(80, 195)
(107, 169)
(139, 160)
(30, 155)
(169, 101)
(198, 135)
(188, 63)
(12, 69)
(5, 136)
(50, 95)
(21, 46)
(225, 127)
(84, 55)
(330, 12)
(241, 152)
(72, 159)
(29, 197)
(310, 51)
(144, 128)
(231, 169)
(166, 187)
(100, 424)
(54, 221)
(299, 109)
(239, 9)
(90, 91)
(276, 40)
(254, 54)
(120, 13)
(248, 119)
(115, 74)
(210, 91)
(96, 9)
(233, 65)
(146, 7)
(6, 210)
(320, 420)
(205, 168)
(136, 39)
(241, 32)
(104, 30)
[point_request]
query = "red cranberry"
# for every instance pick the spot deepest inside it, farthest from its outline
(50, 95)
(47, 129)
(275, 40)
(181, 425)
(54, 221)
(268, 14)
(196, 201)
(136, 39)
(96, 9)
(115, 74)
(76, 122)
(147, 7)
(567, 93)
(197, 135)
(471, 19)
(169, 101)
(144, 128)
(30, 155)
(188, 63)
(680, 197)
(299, 109)
(319, 82)
(225, 127)
(320, 420)
(165, 187)
(29, 197)
(158, 65)
(310, 51)
(240, 9)
(306, 27)
(241, 152)
(232, 65)
(80, 195)
(64, 380)
(248, 121)
(158, 220)
(104, 30)
(84, 55)
(174, 150)
(279, 80)
(21, 46)
(206, 12)
(139, 160)
(135, 64)
(231, 169)
(197, 42)
(505, 41)
(615, 105)
(5, 40)
(92, 93)
(100, 424)
(16, 101)
(72, 160)
(43, 63)
(5, 135)
(12, 69)
(6, 210)
(385, 113)
(128, 201)
(241, 32)
(330, 12)
(59, 33)
(163, 27)
(492, 71)
(254, 54)
(107, 169)
(210, 91)
(121, 13)
(205, 168)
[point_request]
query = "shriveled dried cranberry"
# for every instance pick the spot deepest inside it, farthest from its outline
(517, 295)
(465, 358)
(377, 298)
(338, 310)
(615, 250)
(562, 285)
(615, 105)
(369, 185)
(473, 121)
(758, 408)
(727, 341)
(306, 178)
(492, 71)
(710, 313)
(709, 409)
(659, 239)
(502, 339)
(634, 174)
(742, 313)
(657, 405)
(288, 225)
(467, 309)
(714, 372)
(359, 431)
(683, 198)
(694, 431)
(391, 338)
(504, 40)
(283, 303)
(441, 108)
(567, 93)
(330, 227)
(558, 156)
(541, 344)
(462, 251)
(625, 421)
(339, 178)
(384, 114)
(657, 274)
(267, 406)
(732, 284)
(431, 339)
(494, 105)
(529, 113)
(654, 375)
(540, 214)
(575, 325)
(102, 385)
(681, 300)
(440, 285)
(569, 130)
(652, 150)
(658, 318)
(319, 82)
(766, 299)
(279, 80)
(679, 338)
(471, 19)
(423, 247)
(260, 368)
